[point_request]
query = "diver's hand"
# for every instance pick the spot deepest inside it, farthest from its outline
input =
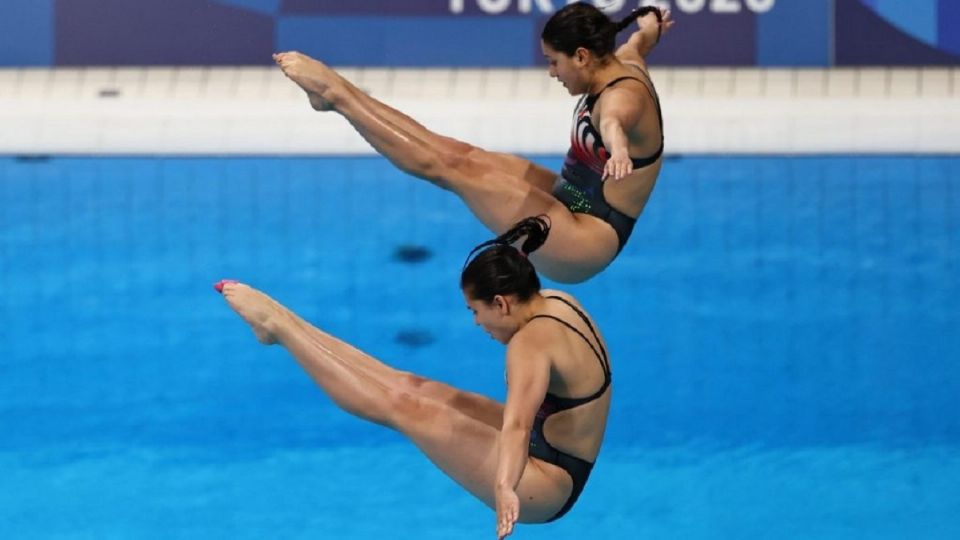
(650, 22)
(618, 166)
(508, 511)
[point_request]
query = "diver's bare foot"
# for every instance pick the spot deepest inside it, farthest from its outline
(313, 76)
(260, 311)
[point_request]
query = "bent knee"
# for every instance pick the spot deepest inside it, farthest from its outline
(451, 169)
(411, 382)
(404, 408)
(462, 147)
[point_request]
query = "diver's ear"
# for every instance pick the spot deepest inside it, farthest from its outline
(502, 304)
(581, 56)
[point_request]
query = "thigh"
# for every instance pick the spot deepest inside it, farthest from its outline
(467, 451)
(537, 176)
(471, 404)
(578, 246)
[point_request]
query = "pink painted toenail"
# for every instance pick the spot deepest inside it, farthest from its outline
(219, 285)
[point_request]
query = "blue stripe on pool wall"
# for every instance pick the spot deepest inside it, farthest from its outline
(471, 33)
(948, 20)
(174, 32)
(266, 7)
(404, 42)
(795, 34)
(920, 20)
(26, 32)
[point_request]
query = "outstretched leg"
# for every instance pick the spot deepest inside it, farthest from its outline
(463, 447)
(471, 404)
(537, 176)
(509, 164)
(499, 195)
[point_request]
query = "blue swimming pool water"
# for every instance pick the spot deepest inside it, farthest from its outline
(784, 332)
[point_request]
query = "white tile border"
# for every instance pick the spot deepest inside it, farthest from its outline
(255, 110)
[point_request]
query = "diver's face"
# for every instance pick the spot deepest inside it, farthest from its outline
(493, 317)
(566, 69)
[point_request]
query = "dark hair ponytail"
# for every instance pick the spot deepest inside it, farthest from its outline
(640, 12)
(496, 267)
(584, 25)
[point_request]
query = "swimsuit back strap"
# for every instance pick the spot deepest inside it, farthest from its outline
(604, 359)
(571, 327)
(648, 84)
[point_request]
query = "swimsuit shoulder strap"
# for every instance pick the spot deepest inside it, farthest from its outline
(618, 79)
(647, 83)
(599, 350)
(591, 99)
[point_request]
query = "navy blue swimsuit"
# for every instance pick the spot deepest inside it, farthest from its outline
(578, 469)
(580, 184)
